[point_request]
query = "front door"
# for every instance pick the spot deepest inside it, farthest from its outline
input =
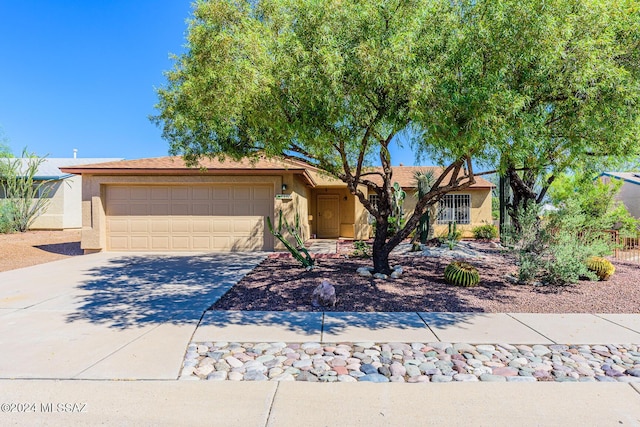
(328, 216)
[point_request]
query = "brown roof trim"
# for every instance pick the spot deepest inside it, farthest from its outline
(174, 166)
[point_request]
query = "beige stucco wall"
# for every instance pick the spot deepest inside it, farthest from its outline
(480, 211)
(52, 218)
(93, 199)
(299, 203)
(72, 188)
(64, 210)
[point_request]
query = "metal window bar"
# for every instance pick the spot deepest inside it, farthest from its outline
(455, 208)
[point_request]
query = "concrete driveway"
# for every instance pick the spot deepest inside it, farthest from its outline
(110, 315)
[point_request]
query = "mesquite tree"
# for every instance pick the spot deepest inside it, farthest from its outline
(333, 83)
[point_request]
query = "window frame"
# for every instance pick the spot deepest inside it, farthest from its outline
(454, 208)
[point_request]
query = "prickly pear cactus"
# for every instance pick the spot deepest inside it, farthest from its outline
(601, 266)
(461, 274)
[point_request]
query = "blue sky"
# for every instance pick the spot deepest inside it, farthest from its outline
(81, 74)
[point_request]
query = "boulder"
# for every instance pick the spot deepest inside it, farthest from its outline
(324, 295)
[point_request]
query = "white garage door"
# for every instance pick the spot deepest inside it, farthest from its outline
(188, 218)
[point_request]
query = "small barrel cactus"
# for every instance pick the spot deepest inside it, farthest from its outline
(461, 274)
(601, 266)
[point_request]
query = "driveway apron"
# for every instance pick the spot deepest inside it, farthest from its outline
(110, 315)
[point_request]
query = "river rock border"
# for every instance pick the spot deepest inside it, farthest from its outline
(410, 362)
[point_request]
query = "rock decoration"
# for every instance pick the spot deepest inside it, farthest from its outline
(414, 362)
(368, 272)
(324, 295)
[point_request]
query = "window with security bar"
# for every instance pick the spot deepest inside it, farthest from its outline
(455, 208)
(373, 199)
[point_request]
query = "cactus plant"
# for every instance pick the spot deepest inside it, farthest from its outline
(298, 251)
(461, 274)
(601, 267)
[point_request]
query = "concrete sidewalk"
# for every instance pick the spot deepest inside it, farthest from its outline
(160, 403)
(473, 328)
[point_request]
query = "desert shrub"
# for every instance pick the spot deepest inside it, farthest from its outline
(7, 217)
(28, 197)
(554, 252)
(485, 232)
(452, 237)
(361, 249)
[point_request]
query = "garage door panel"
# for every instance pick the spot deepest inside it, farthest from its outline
(201, 193)
(119, 243)
(201, 242)
(139, 226)
(139, 209)
(180, 242)
(160, 193)
(119, 193)
(140, 243)
(160, 226)
(118, 209)
(139, 193)
(201, 209)
(198, 217)
(180, 209)
(221, 226)
(160, 243)
(180, 225)
(118, 225)
(180, 193)
(242, 193)
(201, 226)
(262, 193)
(220, 209)
(221, 193)
(159, 209)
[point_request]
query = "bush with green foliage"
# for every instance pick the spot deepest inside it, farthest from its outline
(460, 273)
(485, 232)
(27, 196)
(7, 217)
(554, 252)
(596, 201)
(361, 249)
(452, 237)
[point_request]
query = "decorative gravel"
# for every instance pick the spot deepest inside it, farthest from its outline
(410, 362)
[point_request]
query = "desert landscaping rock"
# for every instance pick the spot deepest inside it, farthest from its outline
(410, 362)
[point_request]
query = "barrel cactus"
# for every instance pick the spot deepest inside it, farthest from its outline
(601, 267)
(461, 274)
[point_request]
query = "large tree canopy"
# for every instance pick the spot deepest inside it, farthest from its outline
(333, 82)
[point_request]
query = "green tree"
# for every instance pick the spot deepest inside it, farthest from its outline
(595, 201)
(333, 83)
(574, 69)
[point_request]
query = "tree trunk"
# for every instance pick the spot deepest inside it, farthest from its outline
(381, 250)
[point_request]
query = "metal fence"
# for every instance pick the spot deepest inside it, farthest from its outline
(626, 248)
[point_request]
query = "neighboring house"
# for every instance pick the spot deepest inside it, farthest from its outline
(160, 204)
(64, 209)
(629, 191)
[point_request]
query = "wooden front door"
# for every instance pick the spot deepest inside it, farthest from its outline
(328, 216)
